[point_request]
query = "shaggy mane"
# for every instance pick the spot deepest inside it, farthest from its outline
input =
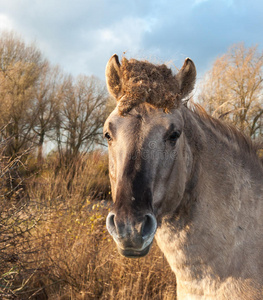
(143, 81)
(230, 132)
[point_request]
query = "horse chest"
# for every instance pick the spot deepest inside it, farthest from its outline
(175, 246)
(195, 279)
(198, 275)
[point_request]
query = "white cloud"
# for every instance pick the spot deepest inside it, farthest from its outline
(81, 35)
(5, 23)
(126, 35)
(128, 32)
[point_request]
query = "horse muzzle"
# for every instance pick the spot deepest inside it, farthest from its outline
(133, 236)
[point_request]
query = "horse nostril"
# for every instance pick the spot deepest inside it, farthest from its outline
(110, 223)
(149, 226)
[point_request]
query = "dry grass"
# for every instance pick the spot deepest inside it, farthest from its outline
(68, 253)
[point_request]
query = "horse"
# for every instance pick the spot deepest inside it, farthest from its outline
(192, 182)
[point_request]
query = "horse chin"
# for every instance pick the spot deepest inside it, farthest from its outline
(134, 253)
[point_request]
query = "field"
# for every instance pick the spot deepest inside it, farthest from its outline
(53, 239)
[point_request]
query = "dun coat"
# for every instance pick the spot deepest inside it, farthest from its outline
(185, 178)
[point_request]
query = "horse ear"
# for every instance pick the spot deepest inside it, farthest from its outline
(113, 78)
(186, 77)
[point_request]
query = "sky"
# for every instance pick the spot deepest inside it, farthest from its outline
(81, 35)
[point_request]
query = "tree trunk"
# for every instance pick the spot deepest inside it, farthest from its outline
(40, 148)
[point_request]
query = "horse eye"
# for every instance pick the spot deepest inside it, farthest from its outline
(174, 136)
(107, 136)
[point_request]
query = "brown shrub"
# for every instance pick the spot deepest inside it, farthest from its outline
(81, 261)
(68, 254)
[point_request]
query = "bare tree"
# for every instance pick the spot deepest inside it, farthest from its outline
(47, 103)
(233, 88)
(20, 68)
(38, 102)
(82, 114)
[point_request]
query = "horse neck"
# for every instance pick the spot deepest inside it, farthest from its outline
(229, 173)
(225, 158)
(223, 198)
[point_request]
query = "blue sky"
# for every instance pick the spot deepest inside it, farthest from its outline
(81, 35)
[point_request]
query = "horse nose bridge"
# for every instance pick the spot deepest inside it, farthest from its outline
(131, 222)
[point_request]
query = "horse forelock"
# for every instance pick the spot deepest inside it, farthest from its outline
(143, 81)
